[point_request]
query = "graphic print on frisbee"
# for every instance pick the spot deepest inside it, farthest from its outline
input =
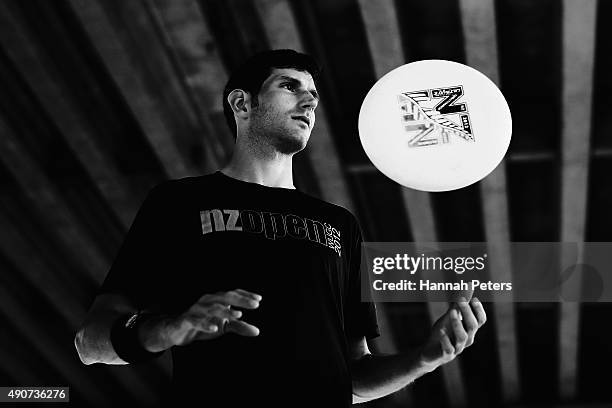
(434, 116)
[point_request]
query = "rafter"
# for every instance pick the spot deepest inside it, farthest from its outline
(384, 40)
(48, 347)
(120, 63)
(21, 363)
(478, 22)
(188, 39)
(50, 205)
(281, 29)
(191, 125)
(40, 192)
(578, 36)
(43, 81)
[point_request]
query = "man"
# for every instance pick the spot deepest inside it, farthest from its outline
(253, 285)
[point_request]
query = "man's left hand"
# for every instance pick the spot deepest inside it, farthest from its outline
(452, 333)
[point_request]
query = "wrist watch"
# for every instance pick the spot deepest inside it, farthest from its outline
(124, 338)
(137, 318)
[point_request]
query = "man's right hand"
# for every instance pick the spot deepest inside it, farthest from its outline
(210, 317)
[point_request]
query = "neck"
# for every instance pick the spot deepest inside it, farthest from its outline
(261, 164)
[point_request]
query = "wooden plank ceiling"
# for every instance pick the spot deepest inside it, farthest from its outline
(102, 99)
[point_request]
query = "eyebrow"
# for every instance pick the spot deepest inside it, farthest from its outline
(296, 81)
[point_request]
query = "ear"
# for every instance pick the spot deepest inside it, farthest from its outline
(240, 102)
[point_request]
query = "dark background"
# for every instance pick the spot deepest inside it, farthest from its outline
(102, 99)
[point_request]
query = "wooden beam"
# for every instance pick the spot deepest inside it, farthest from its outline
(49, 348)
(19, 355)
(21, 362)
(120, 63)
(188, 39)
(192, 129)
(384, 37)
(569, 405)
(602, 152)
(478, 22)
(250, 32)
(579, 22)
(283, 33)
(22, 245)
(281, 30)
(50, 205)
(21, 254)
(422, 221)
(44, 82)
(40, 192)
(384, 40)
(496, 222)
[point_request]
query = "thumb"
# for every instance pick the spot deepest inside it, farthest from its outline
(241, 328)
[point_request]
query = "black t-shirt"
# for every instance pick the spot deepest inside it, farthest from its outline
(213, 233)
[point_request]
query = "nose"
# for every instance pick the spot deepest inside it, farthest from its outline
(309, 101)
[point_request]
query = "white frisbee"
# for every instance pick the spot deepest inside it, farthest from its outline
(435, 125)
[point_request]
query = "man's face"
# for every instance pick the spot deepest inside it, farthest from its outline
(285, 111)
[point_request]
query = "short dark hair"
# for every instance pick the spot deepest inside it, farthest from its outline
(256, 69)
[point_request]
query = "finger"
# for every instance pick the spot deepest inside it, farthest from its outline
(222, 311)
(223, 326)
(469, 320)
(203, 336)
(445, 343)
(217, 323)
(235, 298)
(214, 309)
(251, 295)
(209, 328)
(231, 298)
(458, 331)
(456, 307)
(241, 328)
(213, 328)
(206, 324)
(481, 316)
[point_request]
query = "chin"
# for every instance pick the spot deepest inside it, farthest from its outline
(291, 144)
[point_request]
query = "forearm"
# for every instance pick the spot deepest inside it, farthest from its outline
(375, 376)
(153, 333)
(93, 341)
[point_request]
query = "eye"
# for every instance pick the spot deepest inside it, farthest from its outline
(291, 87)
